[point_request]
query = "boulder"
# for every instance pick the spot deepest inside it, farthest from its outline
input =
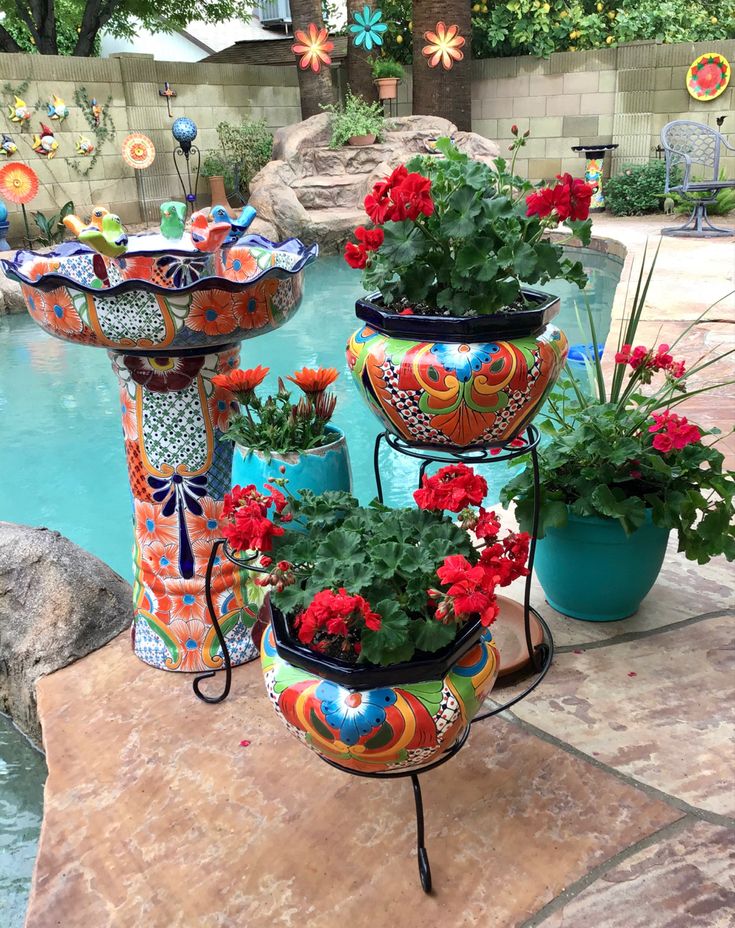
(11, 298)
(57, 603)
(312, 192)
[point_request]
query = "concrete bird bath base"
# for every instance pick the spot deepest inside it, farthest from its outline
(172, 317)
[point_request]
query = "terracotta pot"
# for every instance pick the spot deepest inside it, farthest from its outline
(387, 87)
(457, 382)
(217, 190)
(376, 719)
(361, 140)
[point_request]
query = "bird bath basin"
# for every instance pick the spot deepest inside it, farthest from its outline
(171, 317)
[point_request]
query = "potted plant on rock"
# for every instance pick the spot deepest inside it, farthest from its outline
(387, 74)
(457, 351)
(621, 472)
(356, 122)
(379, 652)
(276, 437)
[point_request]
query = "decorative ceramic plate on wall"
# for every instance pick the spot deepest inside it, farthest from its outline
(708, 76)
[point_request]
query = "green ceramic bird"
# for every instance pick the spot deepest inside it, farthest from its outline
(111, 240)
(173, 217)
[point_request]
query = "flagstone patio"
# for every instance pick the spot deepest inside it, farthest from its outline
(604, 800)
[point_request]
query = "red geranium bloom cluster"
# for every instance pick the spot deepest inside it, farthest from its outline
(370, 240)
(249, 527)
(400, 196)
(648, 362)
(673, 432)
(505, 561)
(484, 524)
(568, 199)
(279, 578)
(453, 487)
(335, 614)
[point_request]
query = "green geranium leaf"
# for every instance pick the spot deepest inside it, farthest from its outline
(391, 643)
(431, 635)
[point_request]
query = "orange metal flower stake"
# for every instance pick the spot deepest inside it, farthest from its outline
(444, 46)
(314, 47)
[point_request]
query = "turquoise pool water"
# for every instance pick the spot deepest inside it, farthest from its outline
(62, 463)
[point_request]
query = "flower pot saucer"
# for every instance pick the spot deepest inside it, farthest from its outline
(510, 635)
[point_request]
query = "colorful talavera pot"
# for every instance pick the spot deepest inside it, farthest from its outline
(171, 318)
(378, 719)
(457, 382)
(317, 469)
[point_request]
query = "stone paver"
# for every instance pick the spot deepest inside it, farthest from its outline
(660, 709)
(156, 816)
(683, 881)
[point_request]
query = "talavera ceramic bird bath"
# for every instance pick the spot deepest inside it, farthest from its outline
(171, 317)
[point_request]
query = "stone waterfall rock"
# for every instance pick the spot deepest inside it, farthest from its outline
(57, 603)
(314, 192)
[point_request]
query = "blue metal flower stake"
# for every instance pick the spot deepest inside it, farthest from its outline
(184, 130)
(367, 30)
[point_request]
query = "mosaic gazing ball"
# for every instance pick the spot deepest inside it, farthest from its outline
(184, 130)
(384, 728)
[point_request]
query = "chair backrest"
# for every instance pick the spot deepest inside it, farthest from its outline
(700, 142)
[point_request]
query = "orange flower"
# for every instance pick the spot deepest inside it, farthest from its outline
(206, 526)
(151, 525)
(187, 598)
(43, 266)
(444, 46)
(129, 416)
(313, 381)
(238, 264)
(59, 313)
(314, 47)
(162, 560)
(190, 637)
(221, 408)
(18, 183)
(252, 306)
(135, 268)
(241, 383)
(211, 312)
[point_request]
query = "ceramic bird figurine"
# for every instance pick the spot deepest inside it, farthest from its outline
(18, 111)
(84, 146)
(208, 236)
(74, 224)
(173, 219)
(110, 241)
(96, 111)
(45, 143)
(7, 146)
(238, 224)
(57, 109)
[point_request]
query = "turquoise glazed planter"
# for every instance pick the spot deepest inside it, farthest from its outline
(592, 570)
(320, 469)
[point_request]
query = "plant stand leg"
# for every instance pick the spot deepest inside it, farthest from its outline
(179, 472)
(423, 857)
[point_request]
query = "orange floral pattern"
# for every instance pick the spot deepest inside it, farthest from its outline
(211, 312)
(187, 597)
(151, 525)
(190, 637)
(252, 307)
(238, 264)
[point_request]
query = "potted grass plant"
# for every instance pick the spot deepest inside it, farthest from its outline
(387, 74)
(276, 436)
(355, 122)
(622, 470)
(457, 349)
(379, 651)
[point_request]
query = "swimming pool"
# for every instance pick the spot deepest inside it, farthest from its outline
(59, 409)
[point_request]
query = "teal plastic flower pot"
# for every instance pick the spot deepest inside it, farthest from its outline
(592, 570)
(320, 469)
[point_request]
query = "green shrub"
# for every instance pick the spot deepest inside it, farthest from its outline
(354, 117)
(247, 148)
(216, 165)
(637, 190)
(387, 67)
(724, 204)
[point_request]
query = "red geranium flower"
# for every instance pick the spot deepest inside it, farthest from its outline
(370, 240)
(412, 197)
(453, 487)
(568, 199)
(674, 432)
(251, 530)
(333, 614)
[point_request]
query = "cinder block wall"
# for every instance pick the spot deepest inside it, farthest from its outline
(208, 93)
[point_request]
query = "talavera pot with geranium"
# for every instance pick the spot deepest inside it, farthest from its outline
(457, 350)
(379, 652)
(622, 470)
(276, 437)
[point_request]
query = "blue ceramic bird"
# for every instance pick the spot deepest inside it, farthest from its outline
(239, 224)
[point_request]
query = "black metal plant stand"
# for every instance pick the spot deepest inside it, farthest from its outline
(188, 153)
(540, 657)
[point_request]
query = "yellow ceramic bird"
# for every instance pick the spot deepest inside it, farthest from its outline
(206, 235)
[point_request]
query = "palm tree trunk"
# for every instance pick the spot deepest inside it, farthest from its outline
(316, 89)
(359, 66)
(437, 92)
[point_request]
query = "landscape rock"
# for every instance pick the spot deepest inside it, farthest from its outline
(58, 602)
(11, 298)
(315, 193)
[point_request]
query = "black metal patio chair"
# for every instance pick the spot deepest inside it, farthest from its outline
(688, 147)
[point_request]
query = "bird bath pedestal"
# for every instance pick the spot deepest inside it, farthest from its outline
(171, 318)
(595, 154)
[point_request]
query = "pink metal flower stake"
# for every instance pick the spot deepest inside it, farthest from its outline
(444, 46)
(313, 47)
